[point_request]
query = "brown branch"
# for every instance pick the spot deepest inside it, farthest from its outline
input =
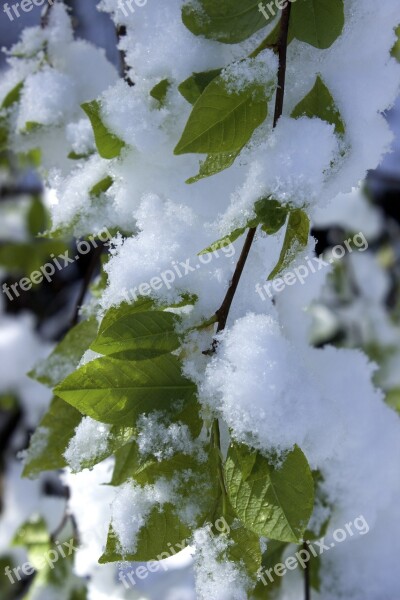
(307, 579)
(223, 312)
(121, 33)
(282, 53)
(44, 21)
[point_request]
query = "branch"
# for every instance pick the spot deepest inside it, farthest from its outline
(121, 32)
(44, 21)
(307, 581)
(223, 312)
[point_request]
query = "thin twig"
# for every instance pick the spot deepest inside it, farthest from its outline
(223, 312)
(307, 586)
(121, 33)
(44, 21)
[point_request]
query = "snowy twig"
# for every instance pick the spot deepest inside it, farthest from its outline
(223, 312)
(121, 32)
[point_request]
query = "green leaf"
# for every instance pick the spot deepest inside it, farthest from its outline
(393, 398)
(51, 438)
(37, 217)
(213, 164)
(193, 87)
(274, 502)
(25, 258)
(12, 96)
(74, 156)
(117, 392)
(130, 464)
(226, 21)
(33, 535)
(65, 357)
(108, 144)
(163, 529)
(30, 159)
(271, 41)
(129, 333)
(222, 120)
(3, 134)
(296, 239)
(320, 103)
(270, 558)
(159, 91)
(32, 126)
(225, 241)
(317, 22)
(245, 545)
(271, 215)
(102, 186)
(396, 48)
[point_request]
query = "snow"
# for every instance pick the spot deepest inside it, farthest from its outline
(266, 383)
(90, 440)
(217, 578)
(131, 508)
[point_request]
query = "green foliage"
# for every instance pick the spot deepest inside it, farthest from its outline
(163, 530)
(271, 215)
(51, 438)
(159, 91)
(32, 127)
(33, 535)
(393, 399)
(12, 96)
(296, 239)
(317, 22)
(74, 156)
(37, 217)
(222, 120)
(132, 332)
(320, 103)
(225, 241)
(24, 258)
(274, 501)
(117, 392)
(396, 47)
(107, 143)
(193, 87)
(213, 164)
(65, 357)
(102, 186)
(228, 21)
(271, 557)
